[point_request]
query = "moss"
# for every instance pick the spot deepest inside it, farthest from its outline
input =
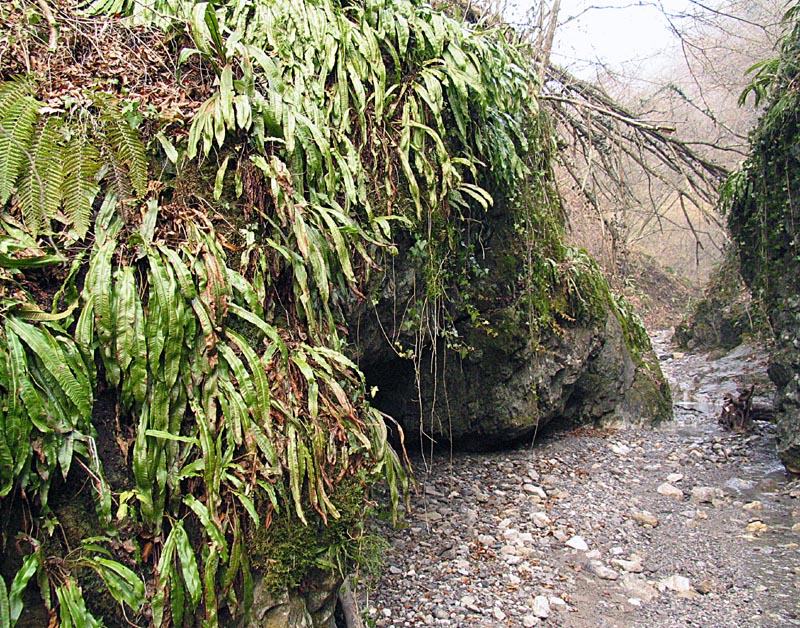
(289, 553)
(650, 395)
(726, 314)
(760, 198)
(636, 338)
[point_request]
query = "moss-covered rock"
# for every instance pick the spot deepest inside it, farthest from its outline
(763, 216)
(534, 337)
(725, 315)
(784, 371)
(312, 607)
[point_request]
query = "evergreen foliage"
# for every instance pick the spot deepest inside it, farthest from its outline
(760, 198)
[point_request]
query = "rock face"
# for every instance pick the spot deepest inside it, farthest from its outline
(505, 389)
(784, 371)
(503, 382)
(725, 315)
(763, 218)
(313, 607)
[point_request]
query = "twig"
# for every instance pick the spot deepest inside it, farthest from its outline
(51, 22)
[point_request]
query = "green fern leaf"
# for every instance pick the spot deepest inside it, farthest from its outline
(127, 146)
(105, 7)
(79, 187)
(73, 382)
(12, 91)
(16, 129)
(119, 176)
(40, 185)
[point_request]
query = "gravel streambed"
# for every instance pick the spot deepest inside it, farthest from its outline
(684, 525)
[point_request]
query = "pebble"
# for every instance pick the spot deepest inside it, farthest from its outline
(633, 565)
(756, 528)
(532, 489)
(541, 520)
(679, 584)
(638, 588)
(706, 494)
(668, 490)
(541, 607)
(645, 519)
(577, 543)
(428, 517)
(557, 603)
(620, 449)
(602, 571)
(469, 601)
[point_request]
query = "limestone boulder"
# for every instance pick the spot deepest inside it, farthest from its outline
(504, 384)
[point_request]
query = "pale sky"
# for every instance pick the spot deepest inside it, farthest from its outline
(629, 35)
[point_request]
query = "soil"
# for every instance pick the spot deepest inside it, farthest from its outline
(683, 525)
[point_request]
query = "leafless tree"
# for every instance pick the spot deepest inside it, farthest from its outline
(647, 162)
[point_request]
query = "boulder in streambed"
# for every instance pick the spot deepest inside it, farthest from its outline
(509, 342)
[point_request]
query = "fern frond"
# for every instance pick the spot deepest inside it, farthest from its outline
(40, 185)
(79, 186)
(12, 91)
(117, 173)
(16, 129)
(105, 7)
(127, 146)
